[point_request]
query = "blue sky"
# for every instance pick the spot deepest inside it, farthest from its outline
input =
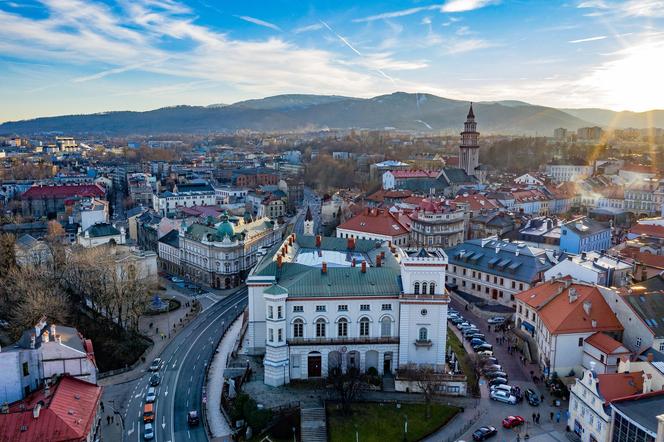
(81, 56)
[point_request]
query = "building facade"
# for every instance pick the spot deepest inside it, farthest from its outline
(436, 223)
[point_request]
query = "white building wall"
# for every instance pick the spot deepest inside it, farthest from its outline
(586, 408)
(388, 181)
(578, 272)
(637, 337)
(567, 354)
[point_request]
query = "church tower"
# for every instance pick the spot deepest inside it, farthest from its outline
(309, 223)
(469, 150)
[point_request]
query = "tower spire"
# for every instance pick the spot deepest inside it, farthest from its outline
(470, 112)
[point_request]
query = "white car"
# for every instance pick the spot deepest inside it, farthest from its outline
(151, 395)
(485, 353)
(496, 320)
(503, 396)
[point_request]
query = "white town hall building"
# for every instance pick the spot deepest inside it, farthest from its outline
(320, 302)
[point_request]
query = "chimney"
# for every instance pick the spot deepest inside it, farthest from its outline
(378, 261)
(647, 383)
(318, 240)
(593, 323)
(280, 261)
(587, 305)
(45, 336)
(351, 243)
(53, 330)
(323, 269)
(651, 357)
(382, 254)
(36, 410)
(32, 341)
(572, 295)
(294, 237)
(353, 263)
(583, 256)
(364, 267)
(290, 241)
(58, 339)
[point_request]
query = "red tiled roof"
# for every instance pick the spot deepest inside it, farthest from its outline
(414, 173)
(64, 191)
(638, 168)
(380, 195)
(648, 229)
(560, 316)
(376, 221)
(476, 202)
(605, 343)
(645, 258)
(618, 385)
(68, 414)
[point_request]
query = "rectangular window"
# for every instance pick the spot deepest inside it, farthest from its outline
(342, 307)
(463, 283)
(270, 312)
(389, 307)
(320, 308)
(364, 307)
(464, 272)
(298, 329)
(270, 333)
(474, 274)
(298, 308)
(521, 286)
(320, 329)
(279, 312)
(280, 335)
(580, 342)
(364, 328)
(502, 281)
(638, 342)
(513, 284)
(26, 369)
(495, 280)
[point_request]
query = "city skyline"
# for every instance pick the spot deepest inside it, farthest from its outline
(72, 56)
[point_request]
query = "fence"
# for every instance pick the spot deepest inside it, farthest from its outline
(466, 426)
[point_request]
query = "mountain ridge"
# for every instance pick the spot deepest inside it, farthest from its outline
(293, 112)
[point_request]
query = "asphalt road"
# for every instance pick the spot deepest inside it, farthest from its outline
(310, 200)
(183, 372)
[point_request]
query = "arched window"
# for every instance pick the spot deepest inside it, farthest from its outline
(432, 288)
(298, 328)
(320, 328)
(424, 335)
(386, 326)
(417, 288)
(364, 327)
(342, 328)
(424, 288)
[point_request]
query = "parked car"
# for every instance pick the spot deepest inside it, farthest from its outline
(476, 335)
(504, 387)
(489, 360)
(497, 381)
(148, 432)
(513, 421)
(532, 397)
(457, 320)
(477, 341)
(485, 353)
(502, 396)
(495, 374)
(192, 418)
(463, 325)
(177, 280)
(156, 365)
(496, 320)
(470, 331)
(483, 347)
(483, 433)
(491, 367)
(151, 395)
(148, 413)
(155, 379)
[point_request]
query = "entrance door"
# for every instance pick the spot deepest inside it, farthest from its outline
(387, 363)
(314, 366)
(494, 294)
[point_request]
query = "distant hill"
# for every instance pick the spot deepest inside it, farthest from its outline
(621, 120)
(405, 111)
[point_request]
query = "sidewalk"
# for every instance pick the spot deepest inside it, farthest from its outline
(158, 333)
(219, 427)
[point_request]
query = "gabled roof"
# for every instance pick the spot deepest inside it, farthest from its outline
(560, 315)
(376, 221)
(606, 344)
(619, 385)
(101, 229)
(647, 300)
(586, 226)
(648, 230)
(172, 239)
(64, 191)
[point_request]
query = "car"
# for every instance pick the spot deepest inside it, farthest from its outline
(155, 379)
(504, 387)
(503, 396)
(532, 397)
(489, 360)
(156, 365)
(476, 335)
(148, 413)
(483, 433)
(485, 353)
(491, 367)
(151, 395)
(457, 320)
(477, 341)
(462, 325)
(148, 432)
(177, 280)
(496, 320)
(513, 421)
(495, 374)
(469, 330)
(483, 347)
(497, 381)
(192, 418)
(451, 310)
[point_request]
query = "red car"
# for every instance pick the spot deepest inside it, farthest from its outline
(513, 421)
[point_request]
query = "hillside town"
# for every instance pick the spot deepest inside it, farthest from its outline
(269, 286)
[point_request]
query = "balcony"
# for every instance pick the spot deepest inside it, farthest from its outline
(343, 341)
(423, 343)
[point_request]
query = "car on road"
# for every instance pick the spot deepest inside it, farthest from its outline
(148, 432)
(156, 365)
(491, 367)
(495, 374)
(513, 421)
(532, 397)
(151, 395)
(470, 330)
(504, 387)
(485, 353)
(192, 418)
(457, 320)
(497, 381)
(155, 379)
(483, 433)
(463, 325)
(148, 413)
(489, 360)
(496, 320)
(477, 341)
(483, 347)
(177, 280)
(503, 396)
(476, 335)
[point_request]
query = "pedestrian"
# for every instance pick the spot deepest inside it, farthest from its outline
(551, 417)
(538, 417)
(542, 398)
(102, 406)
(558, 417)
(112, 419)
(108, 420)
(489, 328)
(534, 417)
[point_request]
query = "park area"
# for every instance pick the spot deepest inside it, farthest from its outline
(382, 422)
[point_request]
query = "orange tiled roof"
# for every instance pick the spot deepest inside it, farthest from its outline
(618, 385)
(560, 316)
(648, 229)
(604, 342)
(376, 221)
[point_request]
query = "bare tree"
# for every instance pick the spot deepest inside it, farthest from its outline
(426, 380)
(347, 386)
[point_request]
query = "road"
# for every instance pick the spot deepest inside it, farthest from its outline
(311, 201)
(185, 362)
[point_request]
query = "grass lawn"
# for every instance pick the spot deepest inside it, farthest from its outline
(385, 422)
(457, 348)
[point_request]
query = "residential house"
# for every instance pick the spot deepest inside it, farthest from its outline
(585, 235)
(99, 234)
(49, 200)
(436, 223)
(593, 268)
(375, 224)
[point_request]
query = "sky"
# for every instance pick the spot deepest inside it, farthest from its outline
(83, 56)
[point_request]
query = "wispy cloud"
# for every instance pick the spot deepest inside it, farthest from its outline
(259, 22)
(461, 46)
(118, 70)
(584, 40)
(466, 5)
(634, 8)
(449, 6)
(309, 28)
(463, 30)
(400, 13)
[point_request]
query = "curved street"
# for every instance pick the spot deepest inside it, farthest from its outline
(185, 361)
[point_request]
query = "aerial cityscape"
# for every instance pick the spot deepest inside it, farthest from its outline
(331, 221)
